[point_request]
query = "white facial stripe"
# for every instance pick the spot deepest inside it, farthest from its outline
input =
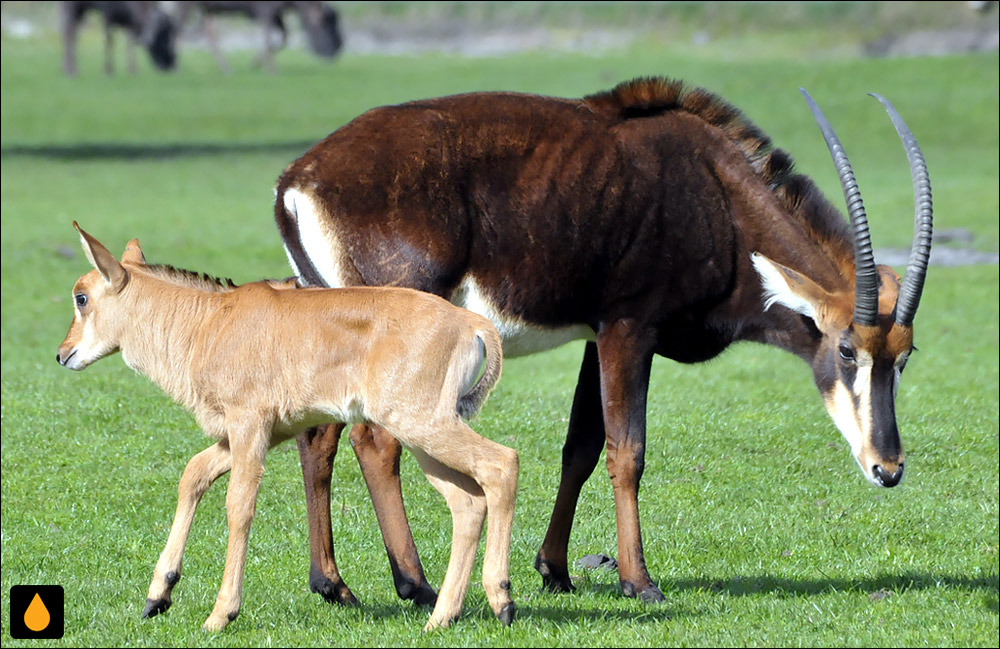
(318, 242)
(776, 288)
(88, 349)
(840, 405)
(855, 424)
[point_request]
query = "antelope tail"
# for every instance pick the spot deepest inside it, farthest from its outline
(470, 402)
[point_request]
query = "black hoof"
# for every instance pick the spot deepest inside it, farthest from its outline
(420, 593)
(424, 596)
(555, 579)
(155, 607)
(650, 594)
(331, 591)
(507, 614)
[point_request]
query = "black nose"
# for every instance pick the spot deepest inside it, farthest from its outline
(888, 479)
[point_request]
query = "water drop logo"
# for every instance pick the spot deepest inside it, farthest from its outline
(36, 612)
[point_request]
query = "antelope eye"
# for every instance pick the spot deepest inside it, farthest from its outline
(847, 353)
(80, 299)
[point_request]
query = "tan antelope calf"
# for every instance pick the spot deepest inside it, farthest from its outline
(259, 363)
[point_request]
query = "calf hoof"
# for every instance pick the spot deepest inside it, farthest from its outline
(335, 592)
(506, 614)
(155, 607)
(555, 579)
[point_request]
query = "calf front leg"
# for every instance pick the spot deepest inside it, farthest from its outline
(201, 471)
(626, 354)
(241, 504)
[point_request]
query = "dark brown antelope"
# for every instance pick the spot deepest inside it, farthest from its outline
(260, 363)
(649, 219)
(142, 22)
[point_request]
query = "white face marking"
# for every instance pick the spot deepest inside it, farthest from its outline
(855, 425)
(520, 338)
(89, 348)
(319, 242)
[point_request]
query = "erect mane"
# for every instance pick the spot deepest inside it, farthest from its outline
(190, 278)
(206, 282)
(797, 193)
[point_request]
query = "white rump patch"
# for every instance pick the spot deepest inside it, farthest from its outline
(776, 288)
(520, 338)
(318, 240)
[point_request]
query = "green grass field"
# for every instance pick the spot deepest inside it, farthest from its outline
(757, 524)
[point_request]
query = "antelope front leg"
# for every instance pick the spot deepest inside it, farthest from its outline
(201, 471)
(317, 450)
(626, 355)
(241, 504)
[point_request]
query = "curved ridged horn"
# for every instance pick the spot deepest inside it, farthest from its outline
(923, 227)
(865, 273)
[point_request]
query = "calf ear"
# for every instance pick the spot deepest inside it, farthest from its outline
(101, 259)
(789, 288)
(133, 253)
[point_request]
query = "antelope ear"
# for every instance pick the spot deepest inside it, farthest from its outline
(786, 287)
(101, 259)
(133, 253)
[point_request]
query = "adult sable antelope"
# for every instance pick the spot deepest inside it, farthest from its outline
(649, 219)
(259, 363)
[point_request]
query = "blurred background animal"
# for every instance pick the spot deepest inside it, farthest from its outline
(320, 22)
(143, 22)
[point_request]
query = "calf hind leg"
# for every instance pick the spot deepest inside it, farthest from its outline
(478, 478)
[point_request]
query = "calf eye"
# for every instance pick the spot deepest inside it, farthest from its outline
(847, 353)
(81, 300)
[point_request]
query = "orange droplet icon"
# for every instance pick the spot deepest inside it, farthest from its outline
(36, 617)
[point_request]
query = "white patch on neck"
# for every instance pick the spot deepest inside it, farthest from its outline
(318, 240)
(776, 288)
(520, 338)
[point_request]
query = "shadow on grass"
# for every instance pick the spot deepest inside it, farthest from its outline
(565, 609)
(147, 150)
(876, 587)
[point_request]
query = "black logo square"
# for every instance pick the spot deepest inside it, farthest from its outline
(37, 612)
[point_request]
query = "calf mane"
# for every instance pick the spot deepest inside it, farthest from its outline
(797, 193)
(190, 278)
(206, 282)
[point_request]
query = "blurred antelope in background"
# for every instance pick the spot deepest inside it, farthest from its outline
(259, 363)
(320, 22)
(651, 219)
(142, 22)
